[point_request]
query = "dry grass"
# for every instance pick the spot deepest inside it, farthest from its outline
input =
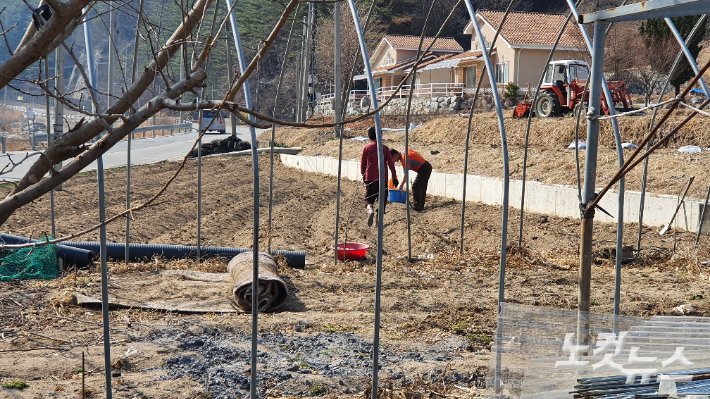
(7, 117)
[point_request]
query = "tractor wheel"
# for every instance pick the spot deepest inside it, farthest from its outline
(580, 106)
(547, 105)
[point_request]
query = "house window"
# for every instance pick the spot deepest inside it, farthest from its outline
(388, 61)
(378, 83)
(477, 45)
(469, 76)
(502, 72)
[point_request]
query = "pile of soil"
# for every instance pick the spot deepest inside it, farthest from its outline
(229, 144)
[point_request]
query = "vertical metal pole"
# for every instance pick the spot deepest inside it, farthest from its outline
(199, 145)
(273, 127)
(702, 217)
(255, 249)
(230, 73)
(306, 63)
(111, 56)
(299, 69)
(58, 109)
(338, 117)
(182, 73)
(506, 185)
(504, 145)
(405, 176)
(620, 156)
(49, 142)
(199, 181)
(130, 136)
(590, 171)
(102, 218)
(381, 200)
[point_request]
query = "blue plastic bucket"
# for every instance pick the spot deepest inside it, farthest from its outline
(398, 196)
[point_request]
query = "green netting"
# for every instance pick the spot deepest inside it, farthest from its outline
(29, 263)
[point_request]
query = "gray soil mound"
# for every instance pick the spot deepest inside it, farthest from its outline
(230, 144)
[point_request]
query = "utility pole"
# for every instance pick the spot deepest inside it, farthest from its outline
(312, 62)
(589, 193)
(301, 72)
(230, 74)
(337, 96)
(308, 29)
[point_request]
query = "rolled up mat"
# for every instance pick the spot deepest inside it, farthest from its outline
(70, 255)
(272, 290)
(138, 252)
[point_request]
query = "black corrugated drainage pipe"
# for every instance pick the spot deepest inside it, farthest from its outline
(139, 252)
(69, 255)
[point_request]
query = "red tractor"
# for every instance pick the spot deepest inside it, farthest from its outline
(562, 91)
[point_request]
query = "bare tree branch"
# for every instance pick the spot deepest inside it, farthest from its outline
(43, 42)
(24, 197)
(65, 146)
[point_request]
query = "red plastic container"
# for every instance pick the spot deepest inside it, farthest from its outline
(351, 250)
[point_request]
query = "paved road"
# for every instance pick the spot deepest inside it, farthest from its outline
(143, 151)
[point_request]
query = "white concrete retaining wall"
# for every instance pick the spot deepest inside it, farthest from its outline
(557, 200)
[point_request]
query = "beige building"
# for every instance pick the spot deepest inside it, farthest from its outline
(395, 54)
(519, 55)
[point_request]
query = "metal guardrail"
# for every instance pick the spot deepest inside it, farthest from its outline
(172, 128)
(37, 137)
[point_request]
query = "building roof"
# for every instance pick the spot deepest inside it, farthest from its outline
(531, 29)
(400, 42)
(412, 42)
(403, 64)
(451, 60)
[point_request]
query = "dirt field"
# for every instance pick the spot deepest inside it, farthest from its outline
(438, 313)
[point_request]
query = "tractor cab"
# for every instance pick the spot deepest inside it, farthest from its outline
(565, 71)
(564, 78)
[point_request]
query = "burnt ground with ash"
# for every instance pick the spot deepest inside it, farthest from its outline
(300, 364)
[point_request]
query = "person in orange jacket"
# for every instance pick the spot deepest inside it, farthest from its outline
(371, 173)
(416, 163)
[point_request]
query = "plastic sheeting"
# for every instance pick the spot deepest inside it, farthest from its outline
(539, 357)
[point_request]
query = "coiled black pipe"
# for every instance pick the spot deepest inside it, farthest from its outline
(69, 255)
(138, 252)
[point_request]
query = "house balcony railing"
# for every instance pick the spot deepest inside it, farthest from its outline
(425, 90)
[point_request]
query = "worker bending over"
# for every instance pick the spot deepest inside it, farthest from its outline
(416, 163)
(371, 173)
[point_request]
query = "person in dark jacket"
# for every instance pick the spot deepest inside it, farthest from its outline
(416, 163)
(371, 173)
